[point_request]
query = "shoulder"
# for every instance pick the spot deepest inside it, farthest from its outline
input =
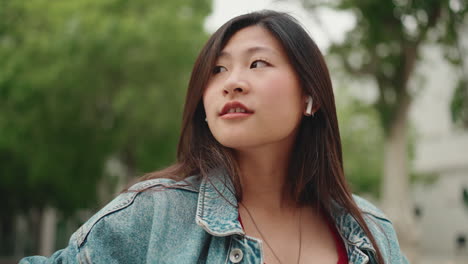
(143, 203)
(147, 215)
(382, 229)
(378, 223)
(369, 208)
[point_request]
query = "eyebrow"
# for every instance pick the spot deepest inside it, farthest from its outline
(249, 51)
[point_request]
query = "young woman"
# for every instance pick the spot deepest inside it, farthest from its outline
(259, 176)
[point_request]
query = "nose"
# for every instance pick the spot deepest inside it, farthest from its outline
(235, 84)
(237, 90)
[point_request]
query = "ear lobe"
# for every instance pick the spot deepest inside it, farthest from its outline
(315, 107)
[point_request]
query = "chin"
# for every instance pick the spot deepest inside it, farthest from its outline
(235, 141)
(242, 143)
(239, 146)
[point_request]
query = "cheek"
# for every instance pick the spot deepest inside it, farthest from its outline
(285, 104)
(208, 101)
(283, 92)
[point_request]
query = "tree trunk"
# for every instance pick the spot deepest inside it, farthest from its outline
(396, 198)
(21, 227)
(47, 231)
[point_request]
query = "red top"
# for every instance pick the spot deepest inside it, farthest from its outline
(340, 247)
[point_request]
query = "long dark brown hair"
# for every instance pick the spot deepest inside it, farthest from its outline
(316, 174)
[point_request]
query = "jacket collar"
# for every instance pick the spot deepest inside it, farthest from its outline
(357, 243)
(217, 208)
(217, 213)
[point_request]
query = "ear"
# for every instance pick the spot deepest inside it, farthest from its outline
(315, 107)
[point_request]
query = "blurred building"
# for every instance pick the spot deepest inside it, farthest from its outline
(441, 196)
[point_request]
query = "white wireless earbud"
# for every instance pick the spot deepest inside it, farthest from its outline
(309, 106)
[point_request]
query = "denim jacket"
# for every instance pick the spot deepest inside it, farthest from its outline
(196, 221)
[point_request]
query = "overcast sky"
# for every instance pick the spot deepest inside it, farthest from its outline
(324, 25)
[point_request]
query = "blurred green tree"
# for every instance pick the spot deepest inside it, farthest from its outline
(384, 45)
(360, 133)
(459, 103)
(83, 80)
(465, 197)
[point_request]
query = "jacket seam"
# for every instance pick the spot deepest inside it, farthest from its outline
(229, 250)
(383, 218)
(84, 232)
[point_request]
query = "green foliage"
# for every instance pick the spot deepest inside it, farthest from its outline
(384, 47)
(362, 139)
(465, 197)
(81, 80)
(459, 104)
(385, 43)
(424, 178)
(362, 143)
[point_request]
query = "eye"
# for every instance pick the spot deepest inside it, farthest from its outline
(218, 69)
(258, 63)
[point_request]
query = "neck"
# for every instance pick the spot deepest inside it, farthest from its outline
(263, 175)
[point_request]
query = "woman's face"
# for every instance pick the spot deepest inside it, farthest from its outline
(254, 97)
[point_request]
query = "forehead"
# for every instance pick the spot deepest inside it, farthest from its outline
(253, 38)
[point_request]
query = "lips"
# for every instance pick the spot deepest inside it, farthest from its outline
(235, 107)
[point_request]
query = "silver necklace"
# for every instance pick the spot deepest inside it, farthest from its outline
(266, 242)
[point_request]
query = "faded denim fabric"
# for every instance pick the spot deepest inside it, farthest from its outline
(196, 221)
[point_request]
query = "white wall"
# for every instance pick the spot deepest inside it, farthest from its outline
(441, 150)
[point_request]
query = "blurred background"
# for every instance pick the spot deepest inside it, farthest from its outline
(91, 95)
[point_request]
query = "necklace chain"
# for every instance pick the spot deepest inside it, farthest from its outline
(266, 242)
